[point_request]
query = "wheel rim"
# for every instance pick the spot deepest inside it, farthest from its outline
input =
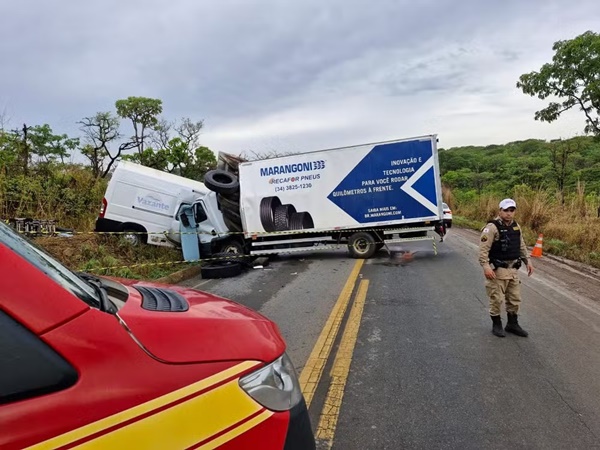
(131, 238)
(361, 245)
(231, 249)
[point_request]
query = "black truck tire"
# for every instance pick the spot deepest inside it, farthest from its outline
(301, 221)
(282, 216)
(224, 269)
(234, 216)
(267, 212)
(232, 225)
(362, 245)
(232, 247)
(228, 204)
(221, 182)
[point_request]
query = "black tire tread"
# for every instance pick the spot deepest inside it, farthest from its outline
(221, 187)
(281, 217)
(267, 212)
(301, 221)
(221, 270)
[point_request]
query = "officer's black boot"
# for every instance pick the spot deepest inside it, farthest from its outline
(513, 325)
(497, 326)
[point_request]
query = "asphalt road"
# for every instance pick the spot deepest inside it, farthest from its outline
(414, 364)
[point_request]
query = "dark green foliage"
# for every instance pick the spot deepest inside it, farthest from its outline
(573, 77)
(497, 169)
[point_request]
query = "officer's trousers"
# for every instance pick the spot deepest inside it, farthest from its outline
(508, 291)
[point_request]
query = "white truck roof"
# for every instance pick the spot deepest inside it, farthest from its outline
(158, 177)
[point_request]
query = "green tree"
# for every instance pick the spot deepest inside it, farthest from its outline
(461, 179)
(8, 150)
(561, 155)
(35, 144)
(182, 154)
(156, 159)
(573, 77)
(49, 147)
(143, 113)
(100, 131)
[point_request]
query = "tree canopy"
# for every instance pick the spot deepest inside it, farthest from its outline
(573, 77)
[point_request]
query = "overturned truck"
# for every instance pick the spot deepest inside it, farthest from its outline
(359, 197)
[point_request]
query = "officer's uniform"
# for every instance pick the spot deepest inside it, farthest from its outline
(503, 249)
(507, 284)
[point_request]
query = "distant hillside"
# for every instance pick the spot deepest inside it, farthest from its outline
(556, 186)
(556, 165)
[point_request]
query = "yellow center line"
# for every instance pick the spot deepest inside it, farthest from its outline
(341, 368)
(312, 371)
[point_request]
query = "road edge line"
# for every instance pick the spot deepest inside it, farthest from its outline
(341, 368)
(313, 369)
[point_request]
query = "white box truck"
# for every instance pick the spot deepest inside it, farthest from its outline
(360, 197)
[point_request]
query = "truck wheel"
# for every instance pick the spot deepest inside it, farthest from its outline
(301, 221)
(221, 182)
(232, 225)
(218, 259)
(267, 212)
(233, 216)
(224, 269)
(362, 245)
(227, 203)
(282, 217)
(133, 235)
(232, 246)
(234, 196)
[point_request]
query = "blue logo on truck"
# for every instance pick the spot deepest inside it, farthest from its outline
(393, 181)
(283, 169)
(151, 201)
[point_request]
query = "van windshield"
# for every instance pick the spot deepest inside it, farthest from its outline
(44, 262)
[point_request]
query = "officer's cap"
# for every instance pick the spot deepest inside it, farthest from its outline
(507, 203)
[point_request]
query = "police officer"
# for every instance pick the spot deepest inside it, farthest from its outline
(501, 251)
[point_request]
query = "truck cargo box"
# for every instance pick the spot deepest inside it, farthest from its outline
(372, 185)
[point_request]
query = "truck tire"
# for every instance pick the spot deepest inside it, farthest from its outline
(228, 204)
(225, 269)
(267, 212)
(282, 216)
(232, 225)
(134, 234)
(232, 216)
(362, 245)
(221, 182)
(301, 221)
(234, 196)
(232, 247)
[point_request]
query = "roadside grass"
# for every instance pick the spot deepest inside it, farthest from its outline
(570, 230)
(113, 256)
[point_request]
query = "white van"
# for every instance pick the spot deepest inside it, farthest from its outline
(145, 203)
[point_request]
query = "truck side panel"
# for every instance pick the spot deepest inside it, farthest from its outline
(369, 185)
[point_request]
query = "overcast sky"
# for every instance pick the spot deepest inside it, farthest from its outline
(291, 76)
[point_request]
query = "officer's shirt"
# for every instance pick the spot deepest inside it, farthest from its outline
(490, 234)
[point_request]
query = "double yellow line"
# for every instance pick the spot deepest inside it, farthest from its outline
(313, 370)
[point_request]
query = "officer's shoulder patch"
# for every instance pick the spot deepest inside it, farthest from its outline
(484, 238)
(517, 228)
(486, 230)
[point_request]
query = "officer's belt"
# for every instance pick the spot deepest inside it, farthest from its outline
(511, 264)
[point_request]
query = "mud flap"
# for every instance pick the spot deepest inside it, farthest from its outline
(189, 236)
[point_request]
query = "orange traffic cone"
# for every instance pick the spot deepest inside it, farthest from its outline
(537, 250)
